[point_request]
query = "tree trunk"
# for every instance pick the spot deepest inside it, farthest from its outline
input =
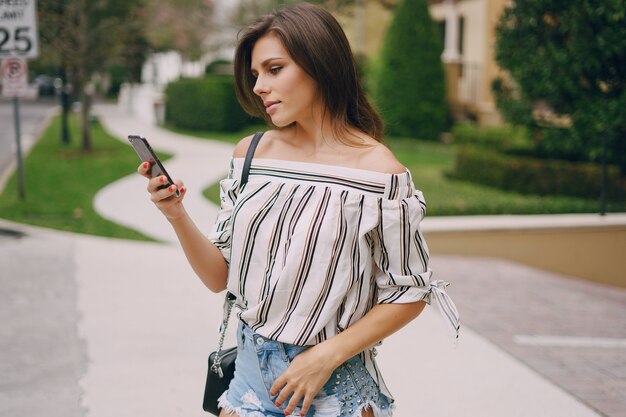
(85, 99)
(85, 111)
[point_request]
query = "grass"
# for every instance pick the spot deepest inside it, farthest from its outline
(62, 181)
(428, 163)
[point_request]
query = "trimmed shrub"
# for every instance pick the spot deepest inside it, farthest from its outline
(536, 176)
(219, 66)
(207, 103)
(409, 87)
(501, 137)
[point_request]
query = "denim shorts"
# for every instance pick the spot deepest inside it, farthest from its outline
(260, 361)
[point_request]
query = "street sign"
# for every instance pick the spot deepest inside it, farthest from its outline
(18, 29)
(14, 77)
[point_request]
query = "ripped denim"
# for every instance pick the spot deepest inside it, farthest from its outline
(348, 392)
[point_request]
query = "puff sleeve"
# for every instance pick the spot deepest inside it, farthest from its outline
(221, 231)
(401, 255)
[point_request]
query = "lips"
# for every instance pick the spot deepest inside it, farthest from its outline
(271, 106)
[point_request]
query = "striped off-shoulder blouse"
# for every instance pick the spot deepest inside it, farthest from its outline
(312, 248)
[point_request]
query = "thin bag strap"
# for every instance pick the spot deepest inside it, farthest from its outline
(249, 155)
(229, 300)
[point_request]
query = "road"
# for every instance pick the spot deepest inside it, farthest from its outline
(32, 114)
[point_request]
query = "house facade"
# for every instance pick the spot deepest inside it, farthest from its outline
(467, 28)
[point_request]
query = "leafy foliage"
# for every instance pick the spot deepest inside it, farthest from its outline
(82, 37)
(535, 176)
(208, 103)
(180, 25)
(569, 57)
(409, 80)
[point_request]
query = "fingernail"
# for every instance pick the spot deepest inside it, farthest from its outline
(162, 180)
(278, 404)
(182, 190)
(171, 188)
(146, 165)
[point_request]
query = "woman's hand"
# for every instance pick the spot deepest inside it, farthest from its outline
(303, 379)
(165, 199)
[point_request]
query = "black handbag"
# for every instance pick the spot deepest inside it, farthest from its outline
(222, 362)
(221, 365)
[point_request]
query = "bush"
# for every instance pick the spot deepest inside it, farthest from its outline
(536, 176)
(205, 104)
(117, 74)
(219, 66)
(501, 137)
(409, 88)
(569, 57)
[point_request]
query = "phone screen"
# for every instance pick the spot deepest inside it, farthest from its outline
(146, 154)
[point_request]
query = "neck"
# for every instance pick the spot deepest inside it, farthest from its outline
(314, 133)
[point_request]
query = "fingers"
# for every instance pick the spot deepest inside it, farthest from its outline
(144, 169)
(286, 390)
(306, 404)
(160, 189)
(293, 403)
(276, 388)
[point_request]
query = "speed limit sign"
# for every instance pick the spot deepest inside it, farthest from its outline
(18, 29)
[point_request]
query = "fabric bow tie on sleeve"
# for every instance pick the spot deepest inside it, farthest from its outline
(446, 307)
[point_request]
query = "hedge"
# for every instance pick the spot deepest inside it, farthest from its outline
(536, 176)
(207, 103)
(497, 137)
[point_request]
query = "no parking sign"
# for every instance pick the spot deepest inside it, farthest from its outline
(14, 77)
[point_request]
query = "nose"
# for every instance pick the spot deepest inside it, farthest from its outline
(260, 86)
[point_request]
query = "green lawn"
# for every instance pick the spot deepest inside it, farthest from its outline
(428, 163)
(61, 182)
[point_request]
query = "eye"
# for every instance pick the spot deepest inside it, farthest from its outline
(275, 69)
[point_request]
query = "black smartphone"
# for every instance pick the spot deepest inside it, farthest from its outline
(146, 154)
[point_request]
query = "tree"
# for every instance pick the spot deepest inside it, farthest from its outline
(409, 84)
(82, 37)
(568, 57)
(180, 25)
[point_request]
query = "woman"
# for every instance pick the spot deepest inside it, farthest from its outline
(321, 246)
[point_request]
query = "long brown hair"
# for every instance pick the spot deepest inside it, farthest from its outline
(318, 45)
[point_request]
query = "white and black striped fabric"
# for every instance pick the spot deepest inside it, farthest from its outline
(312, 248)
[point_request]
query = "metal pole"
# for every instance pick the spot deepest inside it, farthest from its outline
(18, 141)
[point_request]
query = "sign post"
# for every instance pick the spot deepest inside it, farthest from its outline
(19, 40)
(14, 84)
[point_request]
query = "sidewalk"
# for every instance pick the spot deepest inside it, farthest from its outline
(146, 323)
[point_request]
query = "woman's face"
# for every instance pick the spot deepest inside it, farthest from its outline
(288, 93)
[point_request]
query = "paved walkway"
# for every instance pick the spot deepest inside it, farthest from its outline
(144, 324)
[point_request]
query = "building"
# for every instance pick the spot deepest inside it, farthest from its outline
(468, 31)
(468, 28)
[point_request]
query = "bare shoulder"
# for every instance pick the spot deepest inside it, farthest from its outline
(241, 149)
(379, 158)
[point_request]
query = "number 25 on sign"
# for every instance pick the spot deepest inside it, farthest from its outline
(18, 29)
